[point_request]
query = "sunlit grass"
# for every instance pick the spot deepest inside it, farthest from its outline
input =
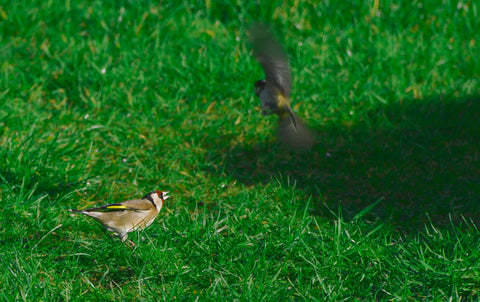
(103, 102)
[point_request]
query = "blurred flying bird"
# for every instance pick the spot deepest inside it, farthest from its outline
(274, 91)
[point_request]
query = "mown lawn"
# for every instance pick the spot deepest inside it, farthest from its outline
(104, 101)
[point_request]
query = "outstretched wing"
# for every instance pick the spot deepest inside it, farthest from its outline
(273, 59)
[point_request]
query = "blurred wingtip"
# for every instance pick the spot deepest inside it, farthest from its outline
(259, 29)
(263, 39)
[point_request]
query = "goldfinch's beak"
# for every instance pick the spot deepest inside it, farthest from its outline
(164, 195)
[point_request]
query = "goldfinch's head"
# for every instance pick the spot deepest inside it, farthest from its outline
(157, 198)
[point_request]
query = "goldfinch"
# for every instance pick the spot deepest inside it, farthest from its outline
(274, 91)
(125, 217)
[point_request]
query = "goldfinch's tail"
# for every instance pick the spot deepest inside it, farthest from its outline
(75, 211)
(294, 133)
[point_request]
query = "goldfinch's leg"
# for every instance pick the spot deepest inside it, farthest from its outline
(129, 243)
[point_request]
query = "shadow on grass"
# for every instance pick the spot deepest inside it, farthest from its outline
(51, 184)
(422, 159)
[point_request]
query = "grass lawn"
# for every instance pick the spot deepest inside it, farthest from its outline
(103, 101)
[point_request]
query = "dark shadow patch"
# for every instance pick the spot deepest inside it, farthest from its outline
(422, 158)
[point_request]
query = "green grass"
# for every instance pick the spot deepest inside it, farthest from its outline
(104, 101)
